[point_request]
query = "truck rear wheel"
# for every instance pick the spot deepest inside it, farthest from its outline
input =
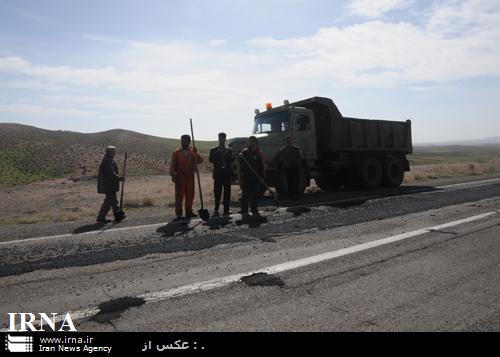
(393, 171)
(370, 173)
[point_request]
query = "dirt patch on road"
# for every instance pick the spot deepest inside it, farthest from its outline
(113, 309)
(263, 279)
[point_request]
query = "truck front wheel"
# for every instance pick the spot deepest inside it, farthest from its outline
(393, 171)
(370, 173)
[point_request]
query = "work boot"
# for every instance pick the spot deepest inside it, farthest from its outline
(119, 217)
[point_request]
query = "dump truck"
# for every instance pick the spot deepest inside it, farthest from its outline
(338, 151)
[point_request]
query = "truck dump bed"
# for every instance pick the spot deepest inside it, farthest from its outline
(337, 133)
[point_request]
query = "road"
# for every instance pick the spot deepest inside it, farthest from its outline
(415, 259)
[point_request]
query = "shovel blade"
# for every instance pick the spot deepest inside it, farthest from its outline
(204, 215)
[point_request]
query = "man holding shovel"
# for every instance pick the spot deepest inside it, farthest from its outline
(108, 183)
(182, 171)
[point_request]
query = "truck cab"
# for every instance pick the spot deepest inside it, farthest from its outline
(338, 151)
(272, 126)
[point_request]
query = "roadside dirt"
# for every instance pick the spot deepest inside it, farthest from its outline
(66, 200)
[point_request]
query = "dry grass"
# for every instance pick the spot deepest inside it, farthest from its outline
(68, 200)
(451, 170)
(135, 203)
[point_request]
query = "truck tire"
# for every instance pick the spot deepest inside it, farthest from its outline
(370, 173)
(393, 171)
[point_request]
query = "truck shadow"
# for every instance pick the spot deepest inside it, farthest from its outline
(343, 197)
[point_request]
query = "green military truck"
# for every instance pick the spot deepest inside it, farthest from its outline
(338, 150)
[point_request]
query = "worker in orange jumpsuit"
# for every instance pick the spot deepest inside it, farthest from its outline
(182, 170)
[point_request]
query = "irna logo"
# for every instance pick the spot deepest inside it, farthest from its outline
(27, 321)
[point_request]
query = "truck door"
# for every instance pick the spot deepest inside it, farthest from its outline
(304, 135)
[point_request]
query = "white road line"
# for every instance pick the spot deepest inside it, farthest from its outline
(81, 234)
(279, 268)
(299, 263)
(472, 183)
(281, 209)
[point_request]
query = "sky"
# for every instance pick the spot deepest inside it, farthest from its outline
(150, 65)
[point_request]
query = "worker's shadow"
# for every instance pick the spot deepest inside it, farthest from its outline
(91, 227)
(174, 227)
(218, 222)
(297, 211)
(252, 220)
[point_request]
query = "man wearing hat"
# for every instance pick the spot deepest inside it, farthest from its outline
(221, 157)
(108, 184)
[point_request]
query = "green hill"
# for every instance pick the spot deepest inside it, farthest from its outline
(29, 154)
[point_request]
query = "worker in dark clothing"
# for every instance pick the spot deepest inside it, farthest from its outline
(289, 159)
(108, 183)
(250, 173)
(221, 157)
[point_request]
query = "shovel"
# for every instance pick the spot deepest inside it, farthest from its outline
(261, 181)
(122, 214)
(203, 213)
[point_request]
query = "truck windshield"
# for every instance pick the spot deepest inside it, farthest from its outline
(272, 122)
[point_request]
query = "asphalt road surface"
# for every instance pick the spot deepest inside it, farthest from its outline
(411, 259)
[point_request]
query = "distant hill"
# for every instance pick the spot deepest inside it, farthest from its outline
(29, 154)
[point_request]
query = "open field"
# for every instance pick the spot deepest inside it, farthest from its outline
(67, 200)
(424, 155)
(437, 162)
